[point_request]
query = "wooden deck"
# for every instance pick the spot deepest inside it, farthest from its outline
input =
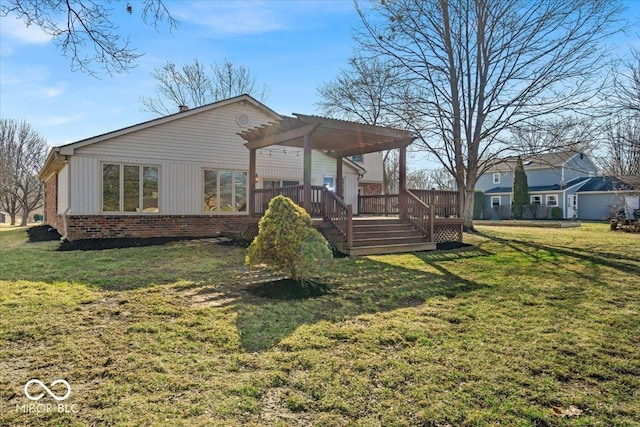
(384, 230)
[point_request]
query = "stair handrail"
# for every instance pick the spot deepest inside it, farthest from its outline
(420, 214)
(339, 214)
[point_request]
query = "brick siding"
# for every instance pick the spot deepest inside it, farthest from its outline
(371, 188)
(115, 226)
(51, 216)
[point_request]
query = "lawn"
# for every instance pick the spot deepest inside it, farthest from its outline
(526, 327)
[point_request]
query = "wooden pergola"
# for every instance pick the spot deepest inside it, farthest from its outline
(337, 138)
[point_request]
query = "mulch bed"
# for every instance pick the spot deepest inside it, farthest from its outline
(43, 233)
(447, 246)
(117, 243)
(288, 289)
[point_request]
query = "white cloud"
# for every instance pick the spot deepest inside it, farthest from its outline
(52, 92)
(255, 17)
(57, 120)
(231, 18)
(17, 31)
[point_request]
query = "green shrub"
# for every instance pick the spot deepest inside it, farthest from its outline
(287, 242)
(556, 213)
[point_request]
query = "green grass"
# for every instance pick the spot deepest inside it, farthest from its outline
(523, 328)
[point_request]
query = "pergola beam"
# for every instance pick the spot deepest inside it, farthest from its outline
(282, 137)
(371, 148)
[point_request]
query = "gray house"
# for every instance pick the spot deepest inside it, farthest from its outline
(566, 180)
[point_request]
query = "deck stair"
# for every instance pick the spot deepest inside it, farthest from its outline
(381, 235)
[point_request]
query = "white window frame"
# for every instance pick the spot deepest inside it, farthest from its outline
(121, 166)
(496, 177)
(553, 197)
(533, 197)
(498, 198)
(233, 191)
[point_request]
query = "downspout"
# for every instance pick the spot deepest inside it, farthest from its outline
(64, 214)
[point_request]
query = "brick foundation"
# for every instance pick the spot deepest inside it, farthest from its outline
(371, 188)
(141, 226)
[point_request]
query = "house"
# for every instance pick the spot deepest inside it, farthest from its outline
(213, 169)
(190, 165)
(566, 180)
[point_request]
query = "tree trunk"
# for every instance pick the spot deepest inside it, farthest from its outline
(25, 219)
(468, 209)
(13, 219)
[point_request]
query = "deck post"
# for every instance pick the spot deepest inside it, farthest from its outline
(339, 189)
(306, 190)
(402, 183)
(251, 200)
(349, 226)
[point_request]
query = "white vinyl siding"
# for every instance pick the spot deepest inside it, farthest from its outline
(182, 149)
(63, 190)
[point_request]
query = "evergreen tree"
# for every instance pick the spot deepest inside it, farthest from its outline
(520, 190)
(288, 242)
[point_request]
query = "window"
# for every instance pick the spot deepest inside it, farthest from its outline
(129, 188)
(357, 158)
(496, 177)
(552, 200)
(225, 191)
(536, 200)
(328, 182)
(275, 183)
(495, 201)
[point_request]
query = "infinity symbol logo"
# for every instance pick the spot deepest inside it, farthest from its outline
(52, 394)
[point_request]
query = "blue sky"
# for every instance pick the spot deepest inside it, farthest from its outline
(291, 46)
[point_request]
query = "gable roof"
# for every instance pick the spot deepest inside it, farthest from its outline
(55, 159)
(68, 148)
(541, 188)
(539, 161)
(605, 183)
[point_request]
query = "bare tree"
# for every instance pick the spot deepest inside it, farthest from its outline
(621, 156)
(472, 69)
(575, 134)
(22, 154)
(85, 30)
(362, 93)
(627, 85)
(193, 86)
(425, 179)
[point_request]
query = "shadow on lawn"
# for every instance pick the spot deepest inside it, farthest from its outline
(358, 286)
(627, 263)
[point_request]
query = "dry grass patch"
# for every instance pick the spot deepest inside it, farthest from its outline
(526, 327)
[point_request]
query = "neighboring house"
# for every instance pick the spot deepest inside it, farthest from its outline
(186, 174)
(566, 180)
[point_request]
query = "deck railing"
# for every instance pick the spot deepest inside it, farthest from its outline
(384, 204)
(339, 214)
(420, 214)
(263, 196)
(445, 203)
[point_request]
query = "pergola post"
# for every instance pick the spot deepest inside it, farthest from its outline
(339, 186)
(402, 182)
(306, 184)
(251, 199)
